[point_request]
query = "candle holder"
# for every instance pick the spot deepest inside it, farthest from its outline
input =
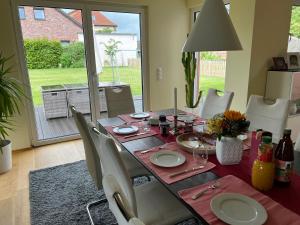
(175, 129)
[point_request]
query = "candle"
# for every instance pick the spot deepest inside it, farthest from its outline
(175, 101)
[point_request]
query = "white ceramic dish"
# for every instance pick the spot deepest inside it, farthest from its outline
(125, 129)
(237, 209)
(186, 118)
(140, 115)
(167, 158)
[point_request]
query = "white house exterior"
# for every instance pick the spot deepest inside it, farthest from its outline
(127, 48)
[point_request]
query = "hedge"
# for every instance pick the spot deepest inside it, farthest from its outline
(42, 53)
(73, 55)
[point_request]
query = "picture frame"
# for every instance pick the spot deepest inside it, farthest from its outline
(293, 60)
(279, 63)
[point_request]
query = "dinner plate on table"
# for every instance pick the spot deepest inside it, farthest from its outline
(237, 209)
(140, 115)
(125, 129)
(167, 158)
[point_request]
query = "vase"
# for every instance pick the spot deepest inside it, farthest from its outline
(195, 111)
(229, 150)
(5, 156)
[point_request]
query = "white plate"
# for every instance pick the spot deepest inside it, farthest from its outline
(238, 209)
(139, 115)
(242, 137)
(125, 129)
(167, 158)
(186, 118)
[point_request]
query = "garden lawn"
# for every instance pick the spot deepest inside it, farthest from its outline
(132, 76)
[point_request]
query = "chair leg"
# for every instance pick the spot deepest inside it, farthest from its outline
(90, 204)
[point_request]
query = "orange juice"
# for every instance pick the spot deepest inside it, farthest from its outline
(263, 175)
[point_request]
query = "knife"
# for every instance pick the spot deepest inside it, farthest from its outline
(186, 171)
(133, 135)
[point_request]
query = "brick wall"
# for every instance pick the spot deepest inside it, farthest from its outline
(55, 26)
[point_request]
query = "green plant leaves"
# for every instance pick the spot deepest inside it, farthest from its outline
(11, 95)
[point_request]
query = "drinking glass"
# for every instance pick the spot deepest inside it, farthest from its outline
(200, 155)
(144, 125)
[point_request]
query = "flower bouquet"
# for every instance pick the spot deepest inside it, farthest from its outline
(227, 126)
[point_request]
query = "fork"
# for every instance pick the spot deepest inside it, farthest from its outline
(210, 187)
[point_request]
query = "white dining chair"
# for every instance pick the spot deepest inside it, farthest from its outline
(297, 144)
(150, 202)
(93, 161)
(269, 117)
(215, 103)
(119, 101)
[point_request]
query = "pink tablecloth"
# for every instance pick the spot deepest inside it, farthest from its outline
(122, 138)
(277, 214)
(164, 173)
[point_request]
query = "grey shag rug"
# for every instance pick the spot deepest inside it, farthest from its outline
(58, 196)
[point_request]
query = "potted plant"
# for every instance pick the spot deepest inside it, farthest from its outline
(228, 126)
(189, 62)
(10, 96)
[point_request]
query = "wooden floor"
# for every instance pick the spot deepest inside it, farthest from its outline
(14, 185)
(58, 127)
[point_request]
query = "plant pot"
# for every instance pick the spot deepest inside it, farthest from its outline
(5, 156)
(229, 150)
(194, 111)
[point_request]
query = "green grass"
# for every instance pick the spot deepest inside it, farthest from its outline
(40, 77)
(207, 82)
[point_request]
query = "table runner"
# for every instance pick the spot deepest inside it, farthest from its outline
(277, 214)
(122, 138)
(164, 173)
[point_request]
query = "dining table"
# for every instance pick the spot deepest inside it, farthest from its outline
(287, 197)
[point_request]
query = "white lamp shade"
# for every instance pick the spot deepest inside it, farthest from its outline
(213, 30)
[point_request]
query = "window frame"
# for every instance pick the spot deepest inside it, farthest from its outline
(22, 8)
(39, 9)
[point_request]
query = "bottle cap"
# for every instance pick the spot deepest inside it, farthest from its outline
(287, 132)
(267, 139)
(162, 118)
(266, 133)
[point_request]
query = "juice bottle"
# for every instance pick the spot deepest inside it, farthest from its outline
(284, 159)
(263, 167)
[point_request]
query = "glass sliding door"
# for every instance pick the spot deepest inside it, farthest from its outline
(55, 55)
(118, 55)
(69, 53)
